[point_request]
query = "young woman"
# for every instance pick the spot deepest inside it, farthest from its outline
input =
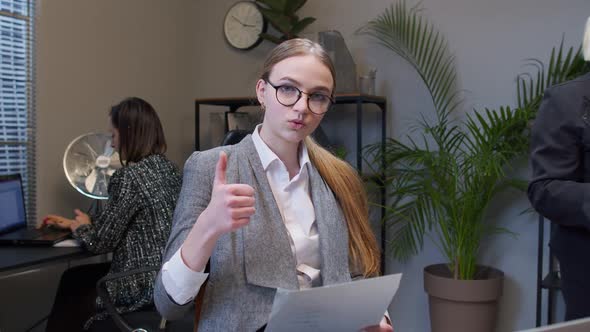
(275, 210)
(134, 224)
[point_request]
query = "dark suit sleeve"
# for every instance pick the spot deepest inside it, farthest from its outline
(557, 189)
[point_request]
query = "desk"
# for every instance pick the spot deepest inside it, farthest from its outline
(28, 280)
(16, 257)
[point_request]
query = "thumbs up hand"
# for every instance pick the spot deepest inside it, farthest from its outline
(231, 205)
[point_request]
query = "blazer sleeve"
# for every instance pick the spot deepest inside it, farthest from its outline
(107, 229)
(194, 197)
(557, 189)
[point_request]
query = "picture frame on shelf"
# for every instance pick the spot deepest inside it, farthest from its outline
(241, 120)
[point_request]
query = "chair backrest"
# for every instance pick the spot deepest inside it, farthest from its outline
(200, 297)
(234, 136)
(199, 304)
(149, 319)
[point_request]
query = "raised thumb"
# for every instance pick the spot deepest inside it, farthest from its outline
(220, 169)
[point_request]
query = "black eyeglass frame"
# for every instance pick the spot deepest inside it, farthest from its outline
(300, 94)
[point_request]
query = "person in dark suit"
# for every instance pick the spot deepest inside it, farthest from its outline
(560, 186)
(134, 224)
(273, 211)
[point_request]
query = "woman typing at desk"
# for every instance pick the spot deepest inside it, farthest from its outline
(134, 225)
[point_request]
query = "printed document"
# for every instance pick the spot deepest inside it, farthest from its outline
(343, 307)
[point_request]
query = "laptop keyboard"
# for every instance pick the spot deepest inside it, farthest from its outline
(46, 230)
(33, 233)
(30, 233)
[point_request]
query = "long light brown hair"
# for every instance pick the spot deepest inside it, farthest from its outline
(339, 175)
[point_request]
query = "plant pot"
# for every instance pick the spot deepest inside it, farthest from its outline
(463, 305)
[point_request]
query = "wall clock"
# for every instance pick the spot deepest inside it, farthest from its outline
(243, 24)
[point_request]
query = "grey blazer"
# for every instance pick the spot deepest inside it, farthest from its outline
(249, 264)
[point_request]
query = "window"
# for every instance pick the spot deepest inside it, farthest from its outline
(17, 108)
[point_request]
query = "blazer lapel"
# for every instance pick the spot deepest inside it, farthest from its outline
(332, 230)
(268, 259)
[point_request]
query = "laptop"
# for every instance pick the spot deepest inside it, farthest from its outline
(13, 218)
(578, 325)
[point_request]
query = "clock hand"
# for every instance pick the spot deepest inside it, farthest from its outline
(242, 23)
(235, 18)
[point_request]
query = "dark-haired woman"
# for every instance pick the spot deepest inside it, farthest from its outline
(134, 224)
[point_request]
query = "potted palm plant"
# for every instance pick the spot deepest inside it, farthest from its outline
(443, 180)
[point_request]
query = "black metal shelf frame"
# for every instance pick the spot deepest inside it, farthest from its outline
(550, 281)
(234, 103)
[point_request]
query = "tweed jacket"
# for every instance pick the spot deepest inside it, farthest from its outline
(134, 225)
(249, 264)
(560, 160)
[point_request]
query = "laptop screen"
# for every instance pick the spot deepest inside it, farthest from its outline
(12, 205)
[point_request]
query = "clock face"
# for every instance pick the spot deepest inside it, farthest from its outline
(243, 24)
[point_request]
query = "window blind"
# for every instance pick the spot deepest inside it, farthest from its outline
(17, 100)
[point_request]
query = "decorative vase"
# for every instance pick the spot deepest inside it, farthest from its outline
(334, 44)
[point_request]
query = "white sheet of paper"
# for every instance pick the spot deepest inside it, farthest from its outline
(343, 307)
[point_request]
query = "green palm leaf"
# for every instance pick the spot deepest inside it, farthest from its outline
(404, 31)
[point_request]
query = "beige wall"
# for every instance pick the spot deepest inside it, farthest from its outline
(90, 55)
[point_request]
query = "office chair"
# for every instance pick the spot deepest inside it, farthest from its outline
(235, 136)
(146, 320)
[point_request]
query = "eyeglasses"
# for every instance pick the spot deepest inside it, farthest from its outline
(288, 95)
